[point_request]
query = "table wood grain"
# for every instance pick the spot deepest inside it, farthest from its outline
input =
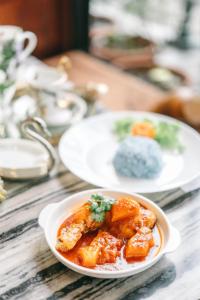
(125, 90)
(29, 271)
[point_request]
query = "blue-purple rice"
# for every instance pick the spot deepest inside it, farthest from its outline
(138, 157)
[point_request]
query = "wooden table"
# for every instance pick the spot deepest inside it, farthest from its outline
(125, 91)
(29, 271)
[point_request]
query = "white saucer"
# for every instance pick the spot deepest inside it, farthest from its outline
(87, 150)
(22, 159)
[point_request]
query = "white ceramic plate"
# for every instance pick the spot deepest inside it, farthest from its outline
(87, 150)
(22, 159)
(53, 215)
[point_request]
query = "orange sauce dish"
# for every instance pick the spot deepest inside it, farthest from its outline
(109, 234)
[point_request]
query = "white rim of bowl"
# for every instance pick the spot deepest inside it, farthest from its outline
(81, 269)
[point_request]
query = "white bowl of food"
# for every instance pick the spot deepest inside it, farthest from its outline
(107, 233)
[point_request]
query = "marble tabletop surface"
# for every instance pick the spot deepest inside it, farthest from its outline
(28, 270)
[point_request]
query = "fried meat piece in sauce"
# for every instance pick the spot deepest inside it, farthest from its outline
(145, 218)
(123, 229)
(127, 216)
(84, 215)
(124, 207)
(82, 222)
(104, 248)
(139, 245)
(69, 237)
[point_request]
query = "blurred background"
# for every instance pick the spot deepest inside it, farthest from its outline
(172, 29)
(156, 41)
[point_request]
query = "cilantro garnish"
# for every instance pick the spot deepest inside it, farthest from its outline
(99, 206)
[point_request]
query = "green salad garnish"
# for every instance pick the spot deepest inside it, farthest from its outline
(122, 128)
(166, 133)
(99, 206)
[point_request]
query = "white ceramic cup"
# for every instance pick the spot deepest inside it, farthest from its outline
(18, 36)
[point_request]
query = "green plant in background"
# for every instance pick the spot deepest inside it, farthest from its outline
(124, 41)
(119, 41)
(137, 7)
(7, 53)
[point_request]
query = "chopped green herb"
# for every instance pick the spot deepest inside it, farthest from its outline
(98, 217)
(99, 206)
